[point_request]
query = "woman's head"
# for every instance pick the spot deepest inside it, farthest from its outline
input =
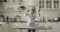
(33, 10)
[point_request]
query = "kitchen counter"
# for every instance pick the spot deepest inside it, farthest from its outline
(37, 22)
(37, 28)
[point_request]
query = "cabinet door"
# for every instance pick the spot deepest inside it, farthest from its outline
(53, 25)
(57, 27)
(0, 27)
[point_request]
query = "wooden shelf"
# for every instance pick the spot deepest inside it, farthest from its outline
(37, 28)
(36, 22)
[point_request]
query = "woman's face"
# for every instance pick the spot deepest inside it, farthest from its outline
(32, 10)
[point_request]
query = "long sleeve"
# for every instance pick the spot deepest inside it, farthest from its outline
(38, 12)
(26, 13)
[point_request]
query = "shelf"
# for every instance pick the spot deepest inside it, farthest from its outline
(25, 22)
(36, 22)
(37, 28)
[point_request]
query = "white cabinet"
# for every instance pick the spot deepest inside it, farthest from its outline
(2, 26)
(58, 27)
(55, 26)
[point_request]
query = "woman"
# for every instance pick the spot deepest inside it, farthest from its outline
(31, 18)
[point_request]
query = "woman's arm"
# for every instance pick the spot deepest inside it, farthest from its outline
(39, 11)
(26, 12)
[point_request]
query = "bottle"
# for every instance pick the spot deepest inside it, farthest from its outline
(43, 18)
(7, 18)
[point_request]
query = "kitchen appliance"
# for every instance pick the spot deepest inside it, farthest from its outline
(13, 19)
(18, 18)
(57, 19)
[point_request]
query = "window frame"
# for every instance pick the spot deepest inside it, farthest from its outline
(51, 5)
(41, 4)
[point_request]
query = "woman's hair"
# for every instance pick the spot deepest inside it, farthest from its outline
(33, 9)
(28, 10)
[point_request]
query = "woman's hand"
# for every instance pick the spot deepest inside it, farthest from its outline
(39, 14)
(26, 12)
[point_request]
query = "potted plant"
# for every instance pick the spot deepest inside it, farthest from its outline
(22, 7)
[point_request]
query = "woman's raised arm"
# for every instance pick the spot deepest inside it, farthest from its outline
(39, 11)
(26, 12)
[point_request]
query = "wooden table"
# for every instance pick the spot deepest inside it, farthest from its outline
(37, 28)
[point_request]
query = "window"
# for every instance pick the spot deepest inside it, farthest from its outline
(56, 3)
(48, 4)
(41, 3)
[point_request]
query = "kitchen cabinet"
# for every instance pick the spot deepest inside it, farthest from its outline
(58, 27)
(55, 27)
(2, 26)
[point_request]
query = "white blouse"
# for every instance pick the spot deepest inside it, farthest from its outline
(31, 19)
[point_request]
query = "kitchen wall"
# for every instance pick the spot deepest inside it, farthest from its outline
(47, 13)
(7, 27)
